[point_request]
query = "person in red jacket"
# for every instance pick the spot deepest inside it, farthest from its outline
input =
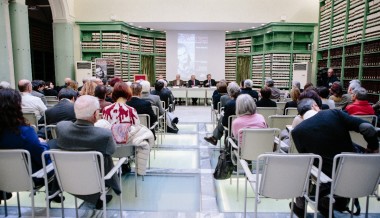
(360, 105)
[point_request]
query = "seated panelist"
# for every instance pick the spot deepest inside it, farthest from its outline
(178, 81)
(209, 82)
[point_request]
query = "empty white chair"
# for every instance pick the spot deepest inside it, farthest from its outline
(253, 143)
(354, 176)
(82, 173)
(283, 176)
(280, 121)
(281, 106)
(291, 111)
(266, 112)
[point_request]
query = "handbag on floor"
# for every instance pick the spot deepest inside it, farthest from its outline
(224, 168)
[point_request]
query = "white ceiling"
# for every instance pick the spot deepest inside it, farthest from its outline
(163, 26)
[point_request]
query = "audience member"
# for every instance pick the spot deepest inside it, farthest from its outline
(38, 87)
(331, 78)
(64, 109)
(308, 86)
(324, 92)
(221, 89)
(120, 112)
(49, 89)
(246, 116)
(265, 98)
(209, 82)
(153, 99)
(73, 85)
(88, 88)
(294, 94)
(191, 84)
(84, 80)
(336, 92)
(115, 80)
(247, 89)
(161, 77)
(83, 136)
(100, 93)
(29, 102)
(16, 133)
(275, 92)
(296, 84)
(164, 95)
(142, 106)
(233, 91)
(5, 85)
(354, 84)
(360, 105)
(330, 136)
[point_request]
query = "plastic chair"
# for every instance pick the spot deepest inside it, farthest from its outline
(82, 173)
(16, 175)
(354, 176)
(281, 106)
(280, 121)
(231, 118)
(145, 121)
(266, 112)
(372, 119)
(283, 176)
(291, 111)
(254, 142)
(160, 121)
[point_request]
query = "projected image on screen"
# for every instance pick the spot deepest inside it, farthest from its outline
(195, 53)
(192, 55)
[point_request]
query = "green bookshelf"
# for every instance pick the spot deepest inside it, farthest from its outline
(125, 44)
(272, 49)
(349, 42)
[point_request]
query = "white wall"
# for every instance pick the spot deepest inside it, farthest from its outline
(235, 11)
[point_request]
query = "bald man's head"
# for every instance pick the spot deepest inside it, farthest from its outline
(24, 85)
(67, 80)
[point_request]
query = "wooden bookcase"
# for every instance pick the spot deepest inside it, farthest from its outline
(272, 49)
(125, 44)
(349, 42)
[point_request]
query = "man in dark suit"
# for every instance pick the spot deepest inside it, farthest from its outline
(64, 110)
(247, 89)
(142, 106)
(209, 82)
(193, 83)
(84, 136)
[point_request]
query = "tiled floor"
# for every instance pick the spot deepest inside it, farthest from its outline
(179, 183)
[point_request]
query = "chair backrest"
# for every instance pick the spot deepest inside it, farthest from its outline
(15, 170)
(256, 142)
(372, 119)
(281, 106)
(285, 175)
(291, 111)
(358, 139)
(53, 130)
(144, 120)
(266, 112)
(156, 111)
(356, 175)
(78, 172)
(231, 118)
(280, 121)
(31, 117)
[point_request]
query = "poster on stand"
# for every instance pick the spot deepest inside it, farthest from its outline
(105, 68)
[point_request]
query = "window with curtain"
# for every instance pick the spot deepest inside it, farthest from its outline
(242, 68)
(147, 67)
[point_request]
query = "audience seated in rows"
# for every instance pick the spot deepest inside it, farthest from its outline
(294, 94)
(83, 136)
(246, 116)
(233, 91)
(29, 102)
(247, 89)
(360, 105)
(327, 134)
(265, 100)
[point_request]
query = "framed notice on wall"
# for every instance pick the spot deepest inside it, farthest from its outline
(105, 68)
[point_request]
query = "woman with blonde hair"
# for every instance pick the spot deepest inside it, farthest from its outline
(88, 88)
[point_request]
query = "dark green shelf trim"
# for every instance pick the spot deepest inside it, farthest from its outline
(281, 41)
(370, 66)
(375, 52)
(371, 80)
(350, 67)
(352, 55)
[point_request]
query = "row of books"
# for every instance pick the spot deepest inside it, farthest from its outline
(371, 73)
(371, 59)
(372, 86)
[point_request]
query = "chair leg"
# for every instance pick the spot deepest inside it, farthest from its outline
(245, 198)
(366, 207)
(331, 206)
(32, 200)
(62, 206)
(352, 207)
(105, 206)
(291, 208)
(237, 181)
(121, 196)
(76, 206)
(5, 203)
(18, 204)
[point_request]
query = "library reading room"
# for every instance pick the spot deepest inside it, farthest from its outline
(201, 108)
